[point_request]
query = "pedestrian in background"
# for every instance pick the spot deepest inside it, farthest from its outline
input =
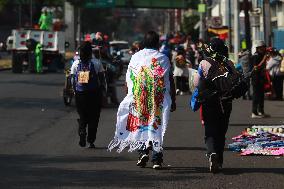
(273, 66)
(181, 72)
(258, 78)
(244, 60)
(38, 55)
(88, 83)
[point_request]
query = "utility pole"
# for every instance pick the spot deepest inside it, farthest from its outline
(69, 18)
(228, 20)
(20, 14)
(266, 22)
(202, 23)
(247, 24)
(236, 29)
(31, 13)
(79, 26)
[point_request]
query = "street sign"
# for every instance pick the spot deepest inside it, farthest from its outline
(201, 8)
(99, 3)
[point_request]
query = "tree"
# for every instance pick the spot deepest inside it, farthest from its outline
(188, 26)
(2, 4)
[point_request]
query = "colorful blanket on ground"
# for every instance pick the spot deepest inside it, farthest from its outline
(260, 140)
(143, 114)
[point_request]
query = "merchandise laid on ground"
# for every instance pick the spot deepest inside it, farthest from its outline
(260, 140)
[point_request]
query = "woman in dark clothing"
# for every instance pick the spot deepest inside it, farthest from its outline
(216, 109)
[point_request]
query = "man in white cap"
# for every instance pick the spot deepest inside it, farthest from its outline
(258, 61)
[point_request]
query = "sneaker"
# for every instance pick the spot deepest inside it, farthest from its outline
(256, 116)
(157, 165)
(213, 163)
(91, 145)
(181, 93)
(177, 92)
(263, 114)
(142, 161)
(82, 141)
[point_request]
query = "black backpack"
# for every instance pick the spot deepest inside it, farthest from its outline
(223, 81)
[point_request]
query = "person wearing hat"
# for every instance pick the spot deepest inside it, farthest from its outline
(216, 110)
(258, 61)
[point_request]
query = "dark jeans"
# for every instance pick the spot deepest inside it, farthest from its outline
(180, 83)
(156, 156)
(277, 83)
(248, 93)
(88, 106)
(258, 98)
(216, 121)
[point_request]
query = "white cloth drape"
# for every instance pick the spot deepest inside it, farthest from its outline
(143, 114)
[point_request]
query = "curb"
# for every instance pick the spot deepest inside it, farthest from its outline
(4, 69)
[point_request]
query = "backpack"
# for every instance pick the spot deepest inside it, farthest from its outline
(86, 78)
(224, 81)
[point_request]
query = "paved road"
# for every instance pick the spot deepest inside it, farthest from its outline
(39, 145)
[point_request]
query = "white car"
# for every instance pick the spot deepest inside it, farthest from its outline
(122, 48)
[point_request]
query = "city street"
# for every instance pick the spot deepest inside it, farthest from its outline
(39, 144)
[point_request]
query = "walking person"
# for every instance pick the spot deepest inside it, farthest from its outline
(216, 106)
(181, 72)
(244, 59)
(273, 65)
(143, 115)
(258, 61)
(88, 83)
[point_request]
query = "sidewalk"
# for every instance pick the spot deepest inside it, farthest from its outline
(5, 63)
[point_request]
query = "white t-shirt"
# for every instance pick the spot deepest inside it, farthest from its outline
(97, 64)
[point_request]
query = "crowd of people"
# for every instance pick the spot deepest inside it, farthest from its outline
(157, 72)
(265, 66)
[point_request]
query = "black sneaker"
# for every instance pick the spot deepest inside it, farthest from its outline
(142, 161)
(213, 163)
(82, 141)
(157, 165)
(91, 145)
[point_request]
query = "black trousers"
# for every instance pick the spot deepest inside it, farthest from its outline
(156, 156)
(216, 121)
(277, 83)
(181, 83)
(258, 98)
(88, 106)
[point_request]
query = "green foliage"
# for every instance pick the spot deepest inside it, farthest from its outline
(188, 26)
(2, 4)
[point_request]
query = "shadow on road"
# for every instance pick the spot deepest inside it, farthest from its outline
(36, 171)
(250, 124)
(226, 171)
(185, 148)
